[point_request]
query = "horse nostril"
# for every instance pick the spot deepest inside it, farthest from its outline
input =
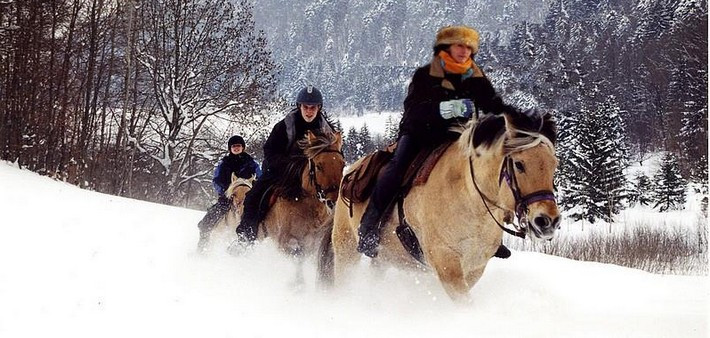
(556, 222)
(542, 221)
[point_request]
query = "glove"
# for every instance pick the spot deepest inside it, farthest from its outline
(456, 108)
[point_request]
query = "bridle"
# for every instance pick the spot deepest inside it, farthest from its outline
(522, 202)
(320, 192)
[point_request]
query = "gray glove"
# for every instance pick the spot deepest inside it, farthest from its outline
(456, 108)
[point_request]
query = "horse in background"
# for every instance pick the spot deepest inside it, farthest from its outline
(295, 223)
(497, 169)
(224, 231)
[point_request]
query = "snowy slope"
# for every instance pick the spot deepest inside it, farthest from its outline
(75, 263)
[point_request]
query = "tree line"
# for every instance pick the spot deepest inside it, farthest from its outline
(129, 97)
(625, 78)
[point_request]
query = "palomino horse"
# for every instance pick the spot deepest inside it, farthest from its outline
(295, 224)
(457, 214)
(225, 229)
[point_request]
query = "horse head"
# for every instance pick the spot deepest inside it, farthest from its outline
(238, 189)
(325, 165)
(528, 167)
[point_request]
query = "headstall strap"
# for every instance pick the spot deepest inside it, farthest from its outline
(320, 194)
(519, 232)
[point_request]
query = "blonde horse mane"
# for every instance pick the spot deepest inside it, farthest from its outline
(312, 147)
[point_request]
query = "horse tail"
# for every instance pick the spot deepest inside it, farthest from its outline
(326, 255)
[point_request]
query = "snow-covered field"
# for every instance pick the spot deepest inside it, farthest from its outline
(375, 121)
(75, 263)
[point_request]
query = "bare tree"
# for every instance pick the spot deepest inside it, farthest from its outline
(203, 58)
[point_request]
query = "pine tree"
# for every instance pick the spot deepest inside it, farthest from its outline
(351, 145)
(391, 130)
(641, 190)
(669, 193)
(595, 183)
(367, 145)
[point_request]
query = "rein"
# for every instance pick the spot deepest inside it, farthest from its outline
(518, 232)
(320, 192)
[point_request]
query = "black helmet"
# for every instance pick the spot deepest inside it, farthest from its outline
(309, 95)
(236, 139)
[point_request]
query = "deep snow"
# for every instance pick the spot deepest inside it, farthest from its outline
(76, 263)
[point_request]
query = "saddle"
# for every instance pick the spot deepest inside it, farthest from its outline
(358, 184)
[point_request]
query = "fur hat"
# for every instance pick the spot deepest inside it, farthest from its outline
(236, 139)
(464, 35)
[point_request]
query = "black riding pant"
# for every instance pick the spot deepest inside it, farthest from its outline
(388, 184)
(214, 214)
(256, 205)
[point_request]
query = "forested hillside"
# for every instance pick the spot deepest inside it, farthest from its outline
(137, 98)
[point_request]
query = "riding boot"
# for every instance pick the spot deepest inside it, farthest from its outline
(369, 231)
(247, 229)
(502, 252)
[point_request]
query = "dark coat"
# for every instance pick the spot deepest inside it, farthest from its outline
(281, 145)
(242, 165)
(431, 85)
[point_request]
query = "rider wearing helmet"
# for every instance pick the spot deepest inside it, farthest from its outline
(280, 150)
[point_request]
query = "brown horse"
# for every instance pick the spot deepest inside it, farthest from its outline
(457, 214)
(225, 230)
(295, 224)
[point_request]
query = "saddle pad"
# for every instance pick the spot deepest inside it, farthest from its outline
(429, 163)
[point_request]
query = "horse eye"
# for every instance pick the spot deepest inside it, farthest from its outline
(319, 167)
(519, 165)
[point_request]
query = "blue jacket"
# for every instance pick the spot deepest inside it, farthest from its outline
(242, 165)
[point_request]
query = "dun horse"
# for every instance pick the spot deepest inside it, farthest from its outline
(499, 167)
(295, 224)
(225, 229)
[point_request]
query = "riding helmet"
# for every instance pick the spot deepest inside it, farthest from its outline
(309, 95)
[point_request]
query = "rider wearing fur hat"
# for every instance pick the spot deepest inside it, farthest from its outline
(280, 151)
(237, 162)
(450, 90)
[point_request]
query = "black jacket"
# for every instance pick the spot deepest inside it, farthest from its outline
(242, 165)
(431, 85)
(281, 145)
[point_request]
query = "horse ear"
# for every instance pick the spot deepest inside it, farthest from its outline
(234, 177)
(339, 140)
(509, 124)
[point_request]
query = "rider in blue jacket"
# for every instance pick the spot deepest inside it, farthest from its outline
(237, 162)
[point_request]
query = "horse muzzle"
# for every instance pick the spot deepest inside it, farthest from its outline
(543, 219)
(329, 194)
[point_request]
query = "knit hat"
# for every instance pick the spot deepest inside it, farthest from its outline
(236, 139)
(464, 35)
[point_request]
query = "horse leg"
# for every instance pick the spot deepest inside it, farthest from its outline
(473, 276)
(299, 281)
(447, 264)
(344, 242)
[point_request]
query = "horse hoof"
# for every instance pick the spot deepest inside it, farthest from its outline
(238, 248)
